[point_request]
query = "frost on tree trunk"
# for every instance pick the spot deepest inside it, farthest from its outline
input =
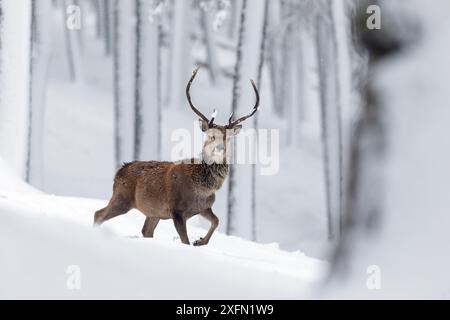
(213, 65)
(148, 81)
(351, 76)
(240, 206)
(181, 52)
(40, 56)
(167, 23)
(98, 17)
(234, 18)
(295, 89)
(107, 25)
(274, 55)
(330, 122)
(124, 80)
(80, 34)
(15, 37)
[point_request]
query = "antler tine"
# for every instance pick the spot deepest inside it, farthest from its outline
(188, 95)
(230, 120)
(231, 123)
(213, 117)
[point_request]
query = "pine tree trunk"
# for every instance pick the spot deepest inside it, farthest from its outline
(72, 45)
(274, 56)
(148, 83)
(248, 64)
(108, 25)
(40, 58)
(15, 21)
(293, 87)
(124, 80)
(97, 4)
(213, 66)
(339, 158)
(181, 52)
(168, 66)
(321, 47)
(262, 59)
(234, 19)
(330, 120)
(80, 33)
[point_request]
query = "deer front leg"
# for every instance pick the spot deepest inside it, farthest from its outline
(180, 225)
(209, 215)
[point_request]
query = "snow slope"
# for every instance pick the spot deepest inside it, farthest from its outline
(42, 236)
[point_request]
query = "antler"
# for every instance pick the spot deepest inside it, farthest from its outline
(188, 95)
(232, 123)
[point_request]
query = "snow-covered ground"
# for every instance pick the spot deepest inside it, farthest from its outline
(44, 238)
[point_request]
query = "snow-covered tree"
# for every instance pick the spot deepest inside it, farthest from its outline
(124, 80)
(274, 54)
(249, 57)
(72, 26)
(40, 56)
(81, 33)
(181, 59)
(330, 116)
(234, 18)
(107, 25)
(148, 83)
(167, 23)
(293, 81)
(15, 21)
(97, 5)
(211, 50)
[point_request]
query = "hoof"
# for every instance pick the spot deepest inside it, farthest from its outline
(199, 242)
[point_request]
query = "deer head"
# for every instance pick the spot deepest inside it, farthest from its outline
(216, 148)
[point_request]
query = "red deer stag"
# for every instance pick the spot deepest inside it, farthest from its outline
(177, 190)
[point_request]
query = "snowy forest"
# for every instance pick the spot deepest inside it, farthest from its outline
(347, 196)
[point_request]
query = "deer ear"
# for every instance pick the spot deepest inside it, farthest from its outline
(203, 125)
(236, 130)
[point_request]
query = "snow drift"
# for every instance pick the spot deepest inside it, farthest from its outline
(44, 238)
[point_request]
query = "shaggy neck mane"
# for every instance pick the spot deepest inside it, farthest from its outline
(213, 174)
(218, 170)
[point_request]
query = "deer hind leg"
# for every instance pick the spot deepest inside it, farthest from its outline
(149, 227)
(116, 207)
(180, 225)
(209, 215)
